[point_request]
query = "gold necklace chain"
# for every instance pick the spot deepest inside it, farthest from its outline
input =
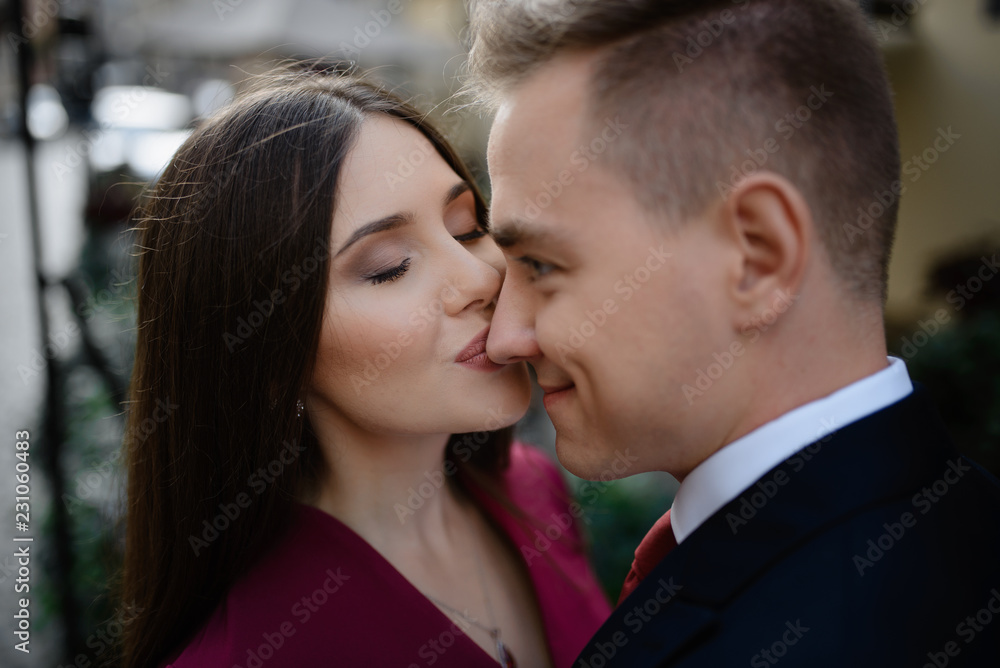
(504, 655)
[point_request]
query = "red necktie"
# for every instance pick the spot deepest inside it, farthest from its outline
(651, 551)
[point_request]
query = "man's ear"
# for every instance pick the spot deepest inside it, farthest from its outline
(771, 225)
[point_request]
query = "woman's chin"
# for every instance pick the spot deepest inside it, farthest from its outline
(519, 394)
(502, 401)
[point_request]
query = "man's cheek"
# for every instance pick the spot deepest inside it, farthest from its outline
(546, 332)
(558, 335)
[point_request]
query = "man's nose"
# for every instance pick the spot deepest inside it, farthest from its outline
(512, 333)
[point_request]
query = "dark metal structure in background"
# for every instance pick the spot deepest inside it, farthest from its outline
(53, 423)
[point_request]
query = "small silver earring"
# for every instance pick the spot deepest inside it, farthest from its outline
(300, 408)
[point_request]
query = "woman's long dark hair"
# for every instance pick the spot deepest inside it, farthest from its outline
(232, 279)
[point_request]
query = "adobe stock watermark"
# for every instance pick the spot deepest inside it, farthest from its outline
(711, 30)
(545, 11)
(42, 13)
(120, 110)
(902, 12)
(913, 168)
(211, 191)
(961, 295)
(436, 647)
(464, 450)
(258, 482)
(760, 494)
(409, 163)
(223, 7)
(38, 360)
(303, 611)
(88, 483)
(967, 629)
(105, 638)
(551, 534)
(293, 278)
(580, 159)
(627, 286)
(418, 320)
(589, 491)
(363, 35)
(706, 377)
(162, 411)
(923, 501)
(967, 291)
(8, 568)
(635, 619)
(97, 302)
(786, 126)
(790, 637)
(103, 300)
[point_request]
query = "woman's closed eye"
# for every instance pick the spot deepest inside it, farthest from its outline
(389, 275)
(394, 273)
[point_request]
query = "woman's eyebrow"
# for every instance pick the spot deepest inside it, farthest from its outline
(390, 222)
(395, 220)
(455, 192)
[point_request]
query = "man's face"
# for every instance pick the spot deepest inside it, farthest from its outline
(611, 304)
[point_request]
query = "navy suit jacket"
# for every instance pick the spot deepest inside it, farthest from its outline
(877, 546)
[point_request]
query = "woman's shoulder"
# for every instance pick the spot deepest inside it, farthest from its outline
(276, 595)
(320, 592)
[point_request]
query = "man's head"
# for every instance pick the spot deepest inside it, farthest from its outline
(697, 200)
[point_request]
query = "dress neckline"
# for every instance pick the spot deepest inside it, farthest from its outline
(383, 564)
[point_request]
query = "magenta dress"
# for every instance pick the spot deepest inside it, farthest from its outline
(324, 597)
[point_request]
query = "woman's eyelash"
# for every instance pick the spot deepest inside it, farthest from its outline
(390, 275)
(400, 269)
(478, 233)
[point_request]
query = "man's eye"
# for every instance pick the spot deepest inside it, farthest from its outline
(477, 233)
(535, 268)
(391, 274)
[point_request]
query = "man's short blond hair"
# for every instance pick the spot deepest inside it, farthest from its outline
(714, 90)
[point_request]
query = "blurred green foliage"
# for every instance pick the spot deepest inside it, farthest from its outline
(616, 516)
(91, 466)
(956, 353)
(960, 367)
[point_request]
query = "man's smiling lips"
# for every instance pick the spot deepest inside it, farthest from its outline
(555, 393)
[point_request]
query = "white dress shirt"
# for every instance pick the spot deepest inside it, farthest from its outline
(736, 466)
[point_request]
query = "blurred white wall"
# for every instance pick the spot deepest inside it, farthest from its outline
(947, 74)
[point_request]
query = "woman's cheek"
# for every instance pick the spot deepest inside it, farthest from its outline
(418, 321)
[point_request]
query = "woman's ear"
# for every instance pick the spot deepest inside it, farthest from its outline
(771, 225)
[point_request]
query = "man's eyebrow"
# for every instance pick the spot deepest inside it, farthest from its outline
(516, 232)
(381, 225)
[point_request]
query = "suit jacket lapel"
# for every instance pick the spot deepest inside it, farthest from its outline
(884, 456)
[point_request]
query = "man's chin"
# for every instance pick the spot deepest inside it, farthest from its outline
(591, 460)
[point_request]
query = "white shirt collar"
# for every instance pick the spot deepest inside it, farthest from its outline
(738, 465)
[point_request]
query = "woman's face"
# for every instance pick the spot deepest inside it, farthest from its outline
(413, 279)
